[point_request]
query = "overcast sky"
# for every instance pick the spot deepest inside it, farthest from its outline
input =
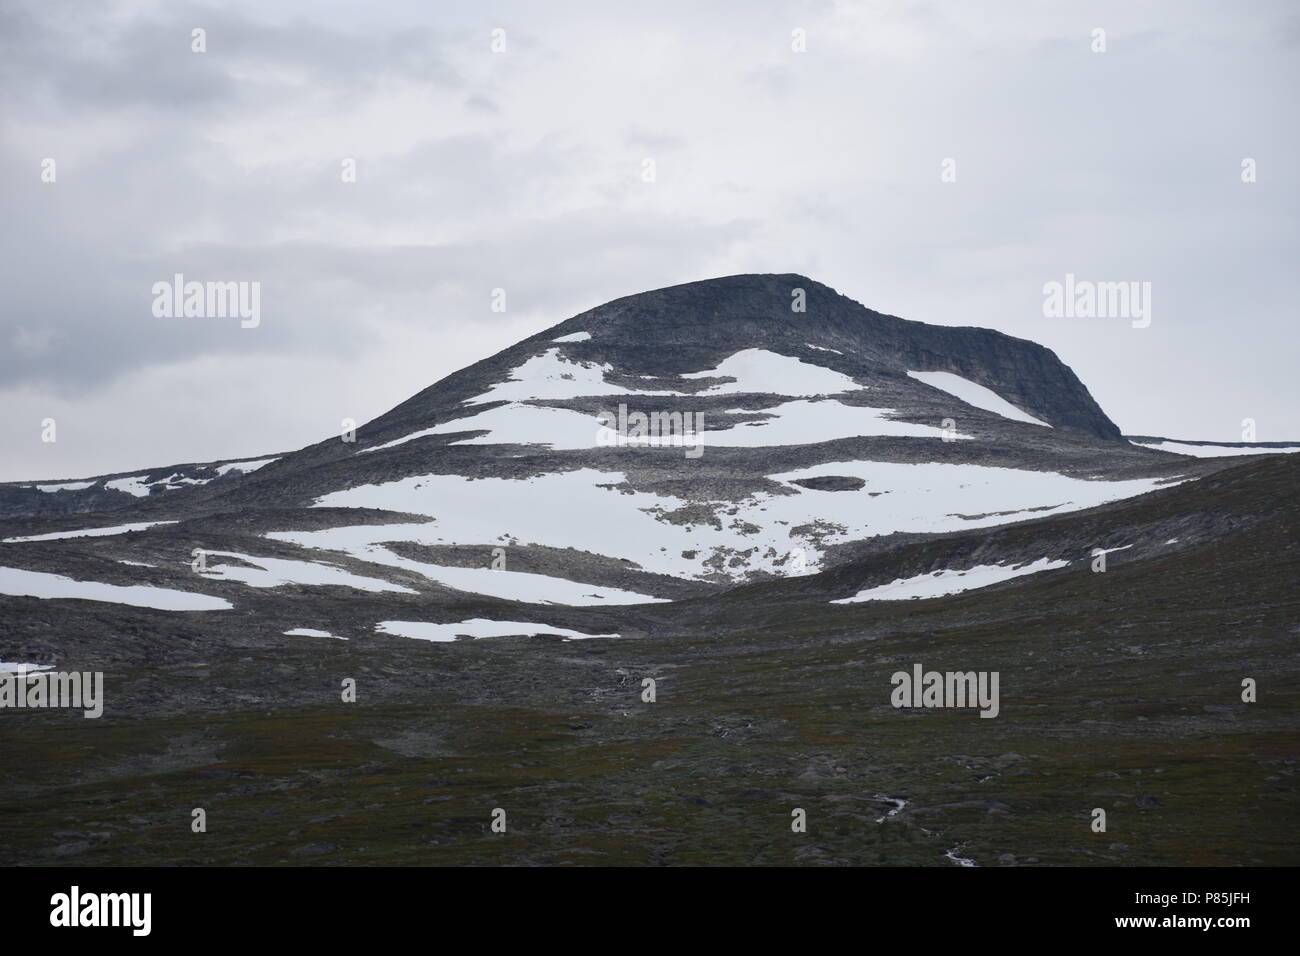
(523, 170)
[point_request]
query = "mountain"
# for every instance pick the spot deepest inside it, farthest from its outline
(682, 330)
(752, 490)
(803, 431)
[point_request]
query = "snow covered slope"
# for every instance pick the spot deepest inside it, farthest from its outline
(664, 446)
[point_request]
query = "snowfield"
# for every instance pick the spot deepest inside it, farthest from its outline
(1213, 451)
(137, 486)
(515, 423)
(364, 542)
(758, 370)
(476, 628)
(944, 583)
(244, 467)
(134, 485)
(10, 668)
(88, 532)
(41, 584)
(65, 486)
(274, 572)
(595, 511)
(974, 394)
(792, 423)
(522, 586)
(551, 376)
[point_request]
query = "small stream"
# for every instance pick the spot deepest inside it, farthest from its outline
(898, 803)
(959, 860)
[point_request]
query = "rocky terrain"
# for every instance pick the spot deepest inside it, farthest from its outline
(859, 493)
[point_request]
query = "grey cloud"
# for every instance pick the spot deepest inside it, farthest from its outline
(1122, 166)
(88, 59)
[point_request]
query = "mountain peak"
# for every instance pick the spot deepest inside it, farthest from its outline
(683, 329)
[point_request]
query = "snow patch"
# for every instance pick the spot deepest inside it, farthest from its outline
(65, 486)
(546, 377)
(274, 572)
(516, 423)
(88, 532)
(476, 628)
(137, 486)
(974, 394)
(946, 582)
(40, 584)
(177, 480)
(522, 586)
(758, 370)
(551, 376)
(1098, 551)
(311, 632)
(134, 485)
(596, 512)
(140, 487)
(1214, 451)
(792, 423)
(244, 467)
(10, 668)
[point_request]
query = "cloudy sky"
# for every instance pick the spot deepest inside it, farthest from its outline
(522, 170)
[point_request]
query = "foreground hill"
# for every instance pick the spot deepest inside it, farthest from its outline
(1120, 690)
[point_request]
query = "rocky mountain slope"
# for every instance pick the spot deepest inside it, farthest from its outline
(791, 435)
(838, 490)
